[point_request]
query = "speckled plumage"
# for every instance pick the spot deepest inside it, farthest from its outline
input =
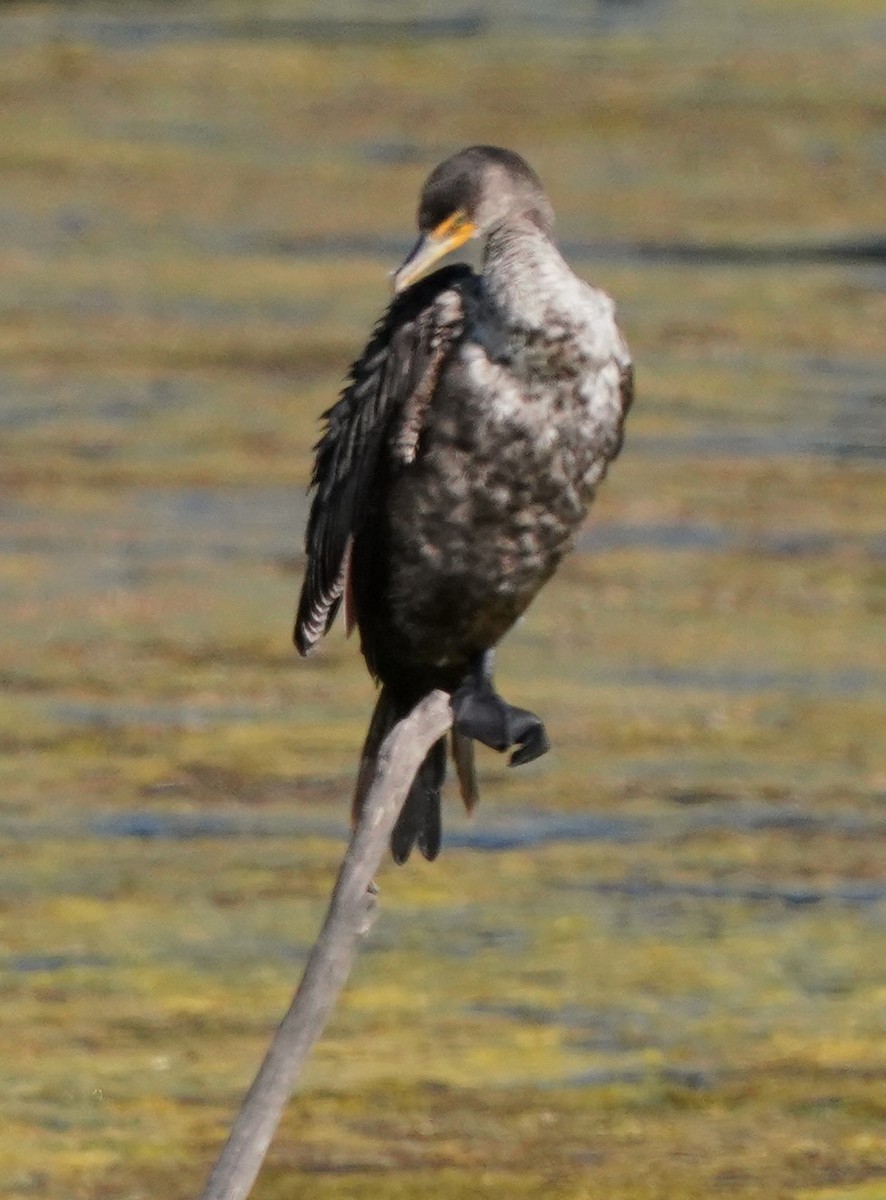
(463, 456)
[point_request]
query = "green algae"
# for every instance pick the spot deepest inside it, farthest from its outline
(683, 1000)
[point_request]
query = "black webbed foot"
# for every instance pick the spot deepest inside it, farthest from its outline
(480, 713)
(529, 734)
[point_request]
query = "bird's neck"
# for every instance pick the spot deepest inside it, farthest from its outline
(525, 275)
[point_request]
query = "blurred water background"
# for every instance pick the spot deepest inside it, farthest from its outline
(654, 965)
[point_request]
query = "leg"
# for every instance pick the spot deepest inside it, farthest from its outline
(481, 714)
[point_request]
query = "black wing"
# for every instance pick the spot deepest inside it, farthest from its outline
(626, 395)
(380, 412)
(626, 388)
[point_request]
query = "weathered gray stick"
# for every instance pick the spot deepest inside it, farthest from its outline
(329, 963)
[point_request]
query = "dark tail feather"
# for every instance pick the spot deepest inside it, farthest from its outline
(384, 717)
(463, 757)
(419, 821)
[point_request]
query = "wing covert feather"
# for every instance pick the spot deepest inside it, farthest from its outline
(379, 413)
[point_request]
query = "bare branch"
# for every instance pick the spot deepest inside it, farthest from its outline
(329, 963)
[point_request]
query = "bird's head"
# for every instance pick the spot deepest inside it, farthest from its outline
(467, 196)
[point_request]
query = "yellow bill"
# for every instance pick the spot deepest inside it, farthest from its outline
(431, 247)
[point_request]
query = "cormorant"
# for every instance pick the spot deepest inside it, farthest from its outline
(458, 463)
